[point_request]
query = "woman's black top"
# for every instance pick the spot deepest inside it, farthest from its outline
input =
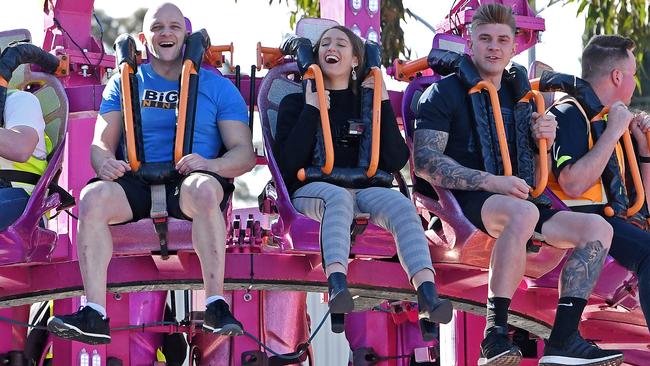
(298, 123)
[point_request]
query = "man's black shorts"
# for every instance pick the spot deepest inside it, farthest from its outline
(471, 203)
(138, 193)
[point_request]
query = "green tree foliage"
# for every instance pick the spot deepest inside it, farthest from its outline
(625, 17)
(392, 36)
(113, 27)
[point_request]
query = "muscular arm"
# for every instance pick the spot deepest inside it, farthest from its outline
(576, 178)
(240, 157)
(108, 130)
(440, 170)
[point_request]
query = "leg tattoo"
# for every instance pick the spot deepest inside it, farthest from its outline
(582, 270)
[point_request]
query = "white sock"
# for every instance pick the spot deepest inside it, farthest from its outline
(100, 309)
(212, 299)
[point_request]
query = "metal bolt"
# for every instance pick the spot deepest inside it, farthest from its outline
(248, 297)
(117, 296)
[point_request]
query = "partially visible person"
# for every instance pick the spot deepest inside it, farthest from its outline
(23, 147)
(580, 160)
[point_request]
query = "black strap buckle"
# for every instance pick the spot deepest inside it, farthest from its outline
(359, 225)
(160, 225)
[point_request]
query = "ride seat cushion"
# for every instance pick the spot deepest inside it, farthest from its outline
(138, 194)
(218, 100)
(471, 203)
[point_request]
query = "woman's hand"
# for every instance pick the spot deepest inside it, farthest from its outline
(311, 97)
(370, 84)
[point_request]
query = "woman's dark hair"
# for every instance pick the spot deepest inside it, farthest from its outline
(358, 50)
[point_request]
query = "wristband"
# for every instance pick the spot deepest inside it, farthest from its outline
(644, 159)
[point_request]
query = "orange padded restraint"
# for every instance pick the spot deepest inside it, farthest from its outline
(376, 121)
(634, 171)
(542, 144)
(314, 73)
(125, 71)
(188, 69)
(498, 121)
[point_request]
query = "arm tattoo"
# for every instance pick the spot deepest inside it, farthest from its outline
(438, 169)
(582, 270)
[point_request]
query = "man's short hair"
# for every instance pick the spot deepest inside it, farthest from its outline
(494, 14)
(602, 53)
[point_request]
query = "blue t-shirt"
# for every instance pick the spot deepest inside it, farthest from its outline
(218, 100)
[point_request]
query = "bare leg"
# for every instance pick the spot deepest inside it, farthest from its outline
(335, 267)
(200, 197)
(511, 221)
(102, 203)
(424, 275)
(592, 235)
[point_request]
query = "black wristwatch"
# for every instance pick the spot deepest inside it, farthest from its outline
(644, 159)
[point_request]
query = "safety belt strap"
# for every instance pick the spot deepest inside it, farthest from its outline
(159, 216)
(19, 176)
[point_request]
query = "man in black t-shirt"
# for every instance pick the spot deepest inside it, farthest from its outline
(609, 65)
(446, 154)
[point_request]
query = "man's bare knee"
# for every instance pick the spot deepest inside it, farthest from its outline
(94, 201)
(526, 214)
(511, 215)
(596, 228)
(203, 194)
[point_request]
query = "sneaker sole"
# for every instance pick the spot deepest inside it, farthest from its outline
(613, 360)
(442, 314)
(507, 358)
(60, 329)
(227, 330)
(342, 303)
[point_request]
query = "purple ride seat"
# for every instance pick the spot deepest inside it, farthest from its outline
(293, 231)
(25, 241)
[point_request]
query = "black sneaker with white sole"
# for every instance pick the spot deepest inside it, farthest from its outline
(577, 351)
(86, 325)
(218, 319)
(498, 350)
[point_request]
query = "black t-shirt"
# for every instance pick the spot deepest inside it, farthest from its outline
(572, 137)
(445, 106)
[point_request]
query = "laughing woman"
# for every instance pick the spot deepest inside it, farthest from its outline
(340, 53)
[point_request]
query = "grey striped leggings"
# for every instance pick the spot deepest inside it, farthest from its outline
(334, 207)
